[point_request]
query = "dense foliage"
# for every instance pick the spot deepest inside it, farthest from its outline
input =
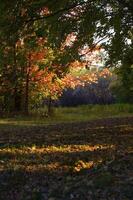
(67, 27)
(96, 90)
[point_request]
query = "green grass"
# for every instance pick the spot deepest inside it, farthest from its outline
(72, 114)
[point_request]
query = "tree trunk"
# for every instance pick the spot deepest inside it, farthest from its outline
(17, 100)
(27, 82)
(17, 92)
(49, 106)
(26, 104)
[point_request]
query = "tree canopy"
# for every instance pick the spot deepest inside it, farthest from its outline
(67, 26)
(107, 22)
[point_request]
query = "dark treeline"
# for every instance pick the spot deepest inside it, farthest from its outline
(95, 93)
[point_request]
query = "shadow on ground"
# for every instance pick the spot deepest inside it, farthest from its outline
(79, 161)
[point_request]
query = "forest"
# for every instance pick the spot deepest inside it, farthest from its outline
(66, 99)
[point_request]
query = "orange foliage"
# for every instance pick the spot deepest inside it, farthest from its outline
(51, 81)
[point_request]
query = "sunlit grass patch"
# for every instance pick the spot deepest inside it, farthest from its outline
(71, 114)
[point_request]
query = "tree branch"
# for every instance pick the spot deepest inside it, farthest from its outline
(94, 46)
(55, 13)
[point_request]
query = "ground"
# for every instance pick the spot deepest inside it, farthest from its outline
(80, 161)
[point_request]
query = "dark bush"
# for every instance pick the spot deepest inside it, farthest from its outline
(95, 93)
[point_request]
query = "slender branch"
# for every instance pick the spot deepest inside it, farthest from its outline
(55, 13)
(93, 46)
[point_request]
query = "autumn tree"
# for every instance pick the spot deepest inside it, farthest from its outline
(90, 22)
(107, 22)
(21, 51)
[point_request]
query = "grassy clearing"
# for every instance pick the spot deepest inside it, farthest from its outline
(72, 114)
(79, 161)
